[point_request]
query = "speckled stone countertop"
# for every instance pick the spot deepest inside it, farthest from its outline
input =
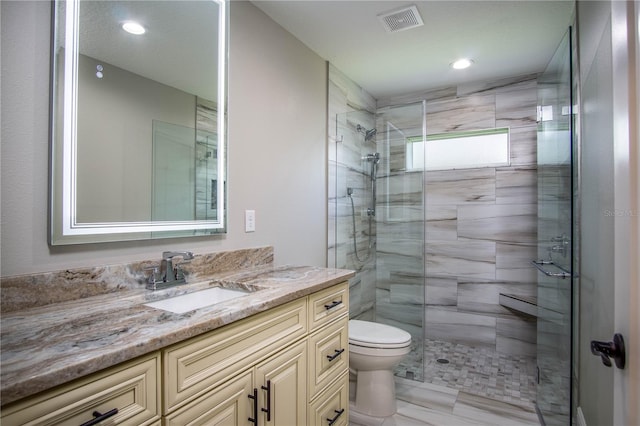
(45, 346)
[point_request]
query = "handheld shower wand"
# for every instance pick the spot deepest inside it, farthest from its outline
(374, 159)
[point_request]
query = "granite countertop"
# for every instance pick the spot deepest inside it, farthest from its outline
(50, 345)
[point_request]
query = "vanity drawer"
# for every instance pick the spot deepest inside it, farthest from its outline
(132, 388)
(198, 365)
(328, 305)
(332, 404)
(328, 355)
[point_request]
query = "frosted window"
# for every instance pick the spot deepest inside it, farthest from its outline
(461, 150)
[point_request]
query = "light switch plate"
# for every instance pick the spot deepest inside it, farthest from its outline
(249, 221)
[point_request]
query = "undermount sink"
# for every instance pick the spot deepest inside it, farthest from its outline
(198, 299)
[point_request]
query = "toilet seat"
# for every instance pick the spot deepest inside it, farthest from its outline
(368, 334)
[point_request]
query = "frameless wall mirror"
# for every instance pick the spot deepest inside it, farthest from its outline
(138, 120)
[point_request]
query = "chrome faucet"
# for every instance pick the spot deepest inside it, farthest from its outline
(169, 273)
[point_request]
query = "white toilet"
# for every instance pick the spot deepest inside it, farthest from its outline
(374, 349)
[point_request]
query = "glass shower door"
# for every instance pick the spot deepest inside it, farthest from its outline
(352, 181)
(555, 225)
(377, 187)
(173, 181)
(400, 218)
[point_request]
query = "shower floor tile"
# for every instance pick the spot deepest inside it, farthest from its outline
(475, 370)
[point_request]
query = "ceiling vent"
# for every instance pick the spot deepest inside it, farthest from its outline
(401, 19)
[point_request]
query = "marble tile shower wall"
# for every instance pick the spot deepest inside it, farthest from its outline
(206, 158)
(351, 105)
(481, 226)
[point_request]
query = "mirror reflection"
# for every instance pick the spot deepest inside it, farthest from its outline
(138, 131)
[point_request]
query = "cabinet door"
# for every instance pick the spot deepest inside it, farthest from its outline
(282, 384)
(227, 405)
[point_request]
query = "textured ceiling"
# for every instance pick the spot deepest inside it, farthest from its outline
(179, 48)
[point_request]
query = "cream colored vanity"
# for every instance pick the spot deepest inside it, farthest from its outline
(287, 365)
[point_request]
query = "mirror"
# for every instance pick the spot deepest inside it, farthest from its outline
(138, 120)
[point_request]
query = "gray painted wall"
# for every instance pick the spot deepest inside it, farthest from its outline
(276, 156)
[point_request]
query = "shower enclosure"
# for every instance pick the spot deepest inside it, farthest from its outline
(449, 241)
(379, 214)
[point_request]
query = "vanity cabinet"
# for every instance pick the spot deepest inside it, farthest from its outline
(282, 367)
(253, 368)
(128, 394)
(286, 366)
(201, 364)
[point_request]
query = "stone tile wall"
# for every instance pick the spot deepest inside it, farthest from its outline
(481, 225)
(350, 105)
(473, 230)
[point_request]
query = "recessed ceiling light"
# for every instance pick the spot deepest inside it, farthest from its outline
(461, 64)
(133, 28)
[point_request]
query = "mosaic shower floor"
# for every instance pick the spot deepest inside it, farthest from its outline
(475, 370)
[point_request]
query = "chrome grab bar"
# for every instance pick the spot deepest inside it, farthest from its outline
(540, 263)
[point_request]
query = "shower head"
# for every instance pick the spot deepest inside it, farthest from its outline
(368, 134)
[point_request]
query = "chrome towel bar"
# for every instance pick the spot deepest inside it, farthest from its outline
(539, 264)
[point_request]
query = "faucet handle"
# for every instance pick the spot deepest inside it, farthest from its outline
(171, 271)
(152, 274)
(186, 255)
(179, 273)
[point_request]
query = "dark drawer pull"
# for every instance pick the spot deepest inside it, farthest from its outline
(98, 417)
(268, 409)
(338, 414)
(255, 406)
(333, 304)
(337, 353)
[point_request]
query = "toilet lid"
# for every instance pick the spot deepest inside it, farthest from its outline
(373, 334)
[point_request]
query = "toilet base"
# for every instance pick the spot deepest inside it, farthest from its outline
(359, 419)
(375, 393)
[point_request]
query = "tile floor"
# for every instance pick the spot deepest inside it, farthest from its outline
(478, 386)
(426, 404)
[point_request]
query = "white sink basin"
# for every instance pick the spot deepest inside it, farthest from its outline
(198, 299)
